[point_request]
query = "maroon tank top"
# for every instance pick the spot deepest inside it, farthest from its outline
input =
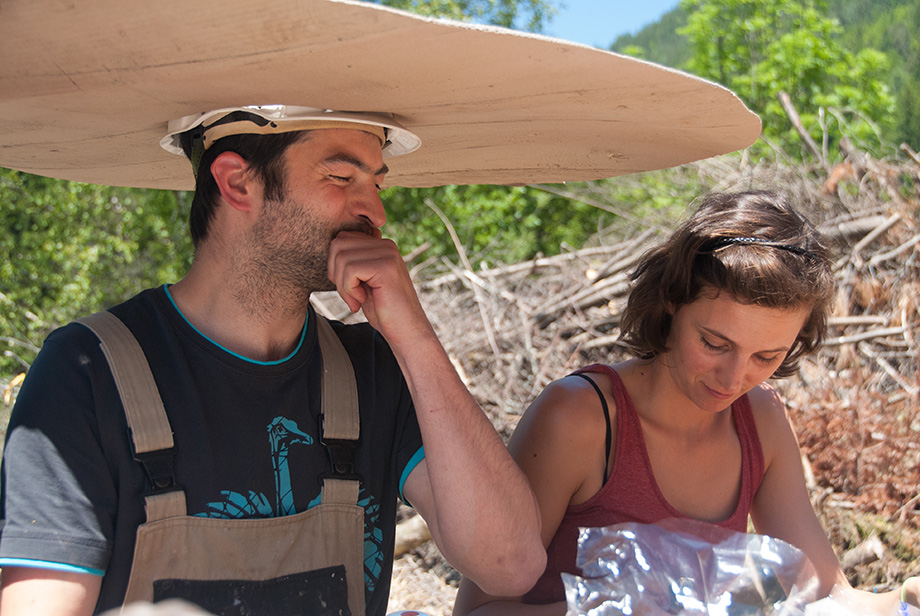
(631, 493)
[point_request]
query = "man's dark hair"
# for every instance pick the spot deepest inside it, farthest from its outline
(265, 155)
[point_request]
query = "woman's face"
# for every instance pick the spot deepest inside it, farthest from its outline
(719, 349)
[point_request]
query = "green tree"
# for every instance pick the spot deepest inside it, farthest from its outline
(495, 224)
(658, 42)
(761, 47)
(908, 107)
(68, 248)
(909, 119)
(530, 15)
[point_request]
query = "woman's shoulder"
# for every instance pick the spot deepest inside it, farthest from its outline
(569, 410)
(573, 399)
(766, 403)
(770, 415)
(560, 441)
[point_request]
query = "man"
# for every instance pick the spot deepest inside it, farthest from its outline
(286, 204)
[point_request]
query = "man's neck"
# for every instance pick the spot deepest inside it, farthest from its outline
(265, 332)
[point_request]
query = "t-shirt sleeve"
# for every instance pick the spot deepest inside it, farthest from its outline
(409, 450)
(57, 500)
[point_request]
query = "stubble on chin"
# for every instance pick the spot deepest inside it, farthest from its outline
(279, 264)
(285, 257)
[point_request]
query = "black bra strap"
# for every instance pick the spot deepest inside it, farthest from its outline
(609, 437)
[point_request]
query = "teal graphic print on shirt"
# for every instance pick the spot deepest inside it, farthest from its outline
(282, 435)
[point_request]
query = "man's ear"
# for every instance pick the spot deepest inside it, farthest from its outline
(231, 173)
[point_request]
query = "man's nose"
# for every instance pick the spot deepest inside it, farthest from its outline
(369, 205)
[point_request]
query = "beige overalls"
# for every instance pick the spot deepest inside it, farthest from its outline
(195, 557)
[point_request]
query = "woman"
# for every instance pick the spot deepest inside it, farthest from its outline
(688, 428)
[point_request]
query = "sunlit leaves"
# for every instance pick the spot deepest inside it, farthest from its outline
(530, 15)
(759, 48)
(68, 248)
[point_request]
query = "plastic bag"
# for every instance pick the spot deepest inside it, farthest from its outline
(690, 568)
(687, 568)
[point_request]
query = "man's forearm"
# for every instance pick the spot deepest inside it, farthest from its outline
(487, 521)
(476, 500)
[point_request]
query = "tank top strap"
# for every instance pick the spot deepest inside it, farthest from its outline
(626, 418)
(608, 437)
(751, 449)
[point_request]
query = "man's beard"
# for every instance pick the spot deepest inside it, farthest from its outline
(283, 258)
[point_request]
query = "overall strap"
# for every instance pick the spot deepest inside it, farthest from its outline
(149, 432)
(151, 435)
(340, 424)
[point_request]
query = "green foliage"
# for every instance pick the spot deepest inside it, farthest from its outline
(654, 199)
(530, 15)
(507, 225)
(889, 26)
(894, 31)
(636, 51)
(759, 48)
(658, 42)
(909, 119)
(494, 223)
(69, 248)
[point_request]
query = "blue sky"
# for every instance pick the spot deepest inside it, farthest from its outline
(599, 22)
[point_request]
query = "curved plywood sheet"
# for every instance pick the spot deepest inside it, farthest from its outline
(87, 89)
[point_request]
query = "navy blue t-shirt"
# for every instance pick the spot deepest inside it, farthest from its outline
(72, 494)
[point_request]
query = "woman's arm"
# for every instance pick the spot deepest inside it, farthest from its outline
(783, 510)
(781, 506)
(559, 444)
(861, 601)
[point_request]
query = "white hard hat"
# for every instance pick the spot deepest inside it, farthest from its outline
(271, 119)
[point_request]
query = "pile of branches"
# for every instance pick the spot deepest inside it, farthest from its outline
(511, 330)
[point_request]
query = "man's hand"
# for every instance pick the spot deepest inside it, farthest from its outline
(369, 274)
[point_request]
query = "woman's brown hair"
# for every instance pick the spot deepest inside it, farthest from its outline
(754, 247)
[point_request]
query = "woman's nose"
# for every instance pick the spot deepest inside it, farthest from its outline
(731, 375)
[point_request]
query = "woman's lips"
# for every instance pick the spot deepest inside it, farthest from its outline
(717, 394)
